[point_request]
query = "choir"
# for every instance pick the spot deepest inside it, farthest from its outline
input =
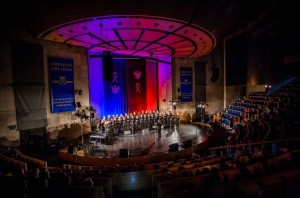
(117, 124)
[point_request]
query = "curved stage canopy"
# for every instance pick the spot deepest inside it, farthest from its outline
(135, 35)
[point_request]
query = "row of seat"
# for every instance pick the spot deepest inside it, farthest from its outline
(30, 161)
(8, 163)
(36, 188)
(184, 168)
(171, 187)
(246, 104)
(238, 108)
(218, 163)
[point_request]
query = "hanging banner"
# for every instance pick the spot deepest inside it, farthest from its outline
(186, 84)
(114, 100)
(136, 85)
(61, 84)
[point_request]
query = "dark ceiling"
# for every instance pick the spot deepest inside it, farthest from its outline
(221, 18)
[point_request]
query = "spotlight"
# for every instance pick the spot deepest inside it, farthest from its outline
(267, 88)
(202, 105)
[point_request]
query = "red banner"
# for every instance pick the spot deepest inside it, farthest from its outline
(136, 86)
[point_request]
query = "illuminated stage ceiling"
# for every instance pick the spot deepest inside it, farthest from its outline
(156, 28)
(135, 35)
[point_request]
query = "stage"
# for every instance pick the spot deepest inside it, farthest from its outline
(143, 144)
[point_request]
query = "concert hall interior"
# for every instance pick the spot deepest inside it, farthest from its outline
(160, 98)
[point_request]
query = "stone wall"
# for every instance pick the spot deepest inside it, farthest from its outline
(8, 133)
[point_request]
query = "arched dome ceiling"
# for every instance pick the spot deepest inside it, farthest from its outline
(129, 27)
(135, 35)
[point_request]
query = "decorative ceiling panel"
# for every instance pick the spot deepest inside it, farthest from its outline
(135, 35)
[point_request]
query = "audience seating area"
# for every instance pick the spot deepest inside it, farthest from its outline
(246, 166)
(263, 115)
(260, 160)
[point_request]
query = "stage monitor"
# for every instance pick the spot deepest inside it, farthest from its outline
(173, 147)
(187, 143)
(123, 153)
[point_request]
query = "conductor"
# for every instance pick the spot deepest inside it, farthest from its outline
(159, 125)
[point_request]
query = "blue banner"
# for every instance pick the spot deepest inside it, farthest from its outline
(186, 84)
(114, 100)
(61, 84)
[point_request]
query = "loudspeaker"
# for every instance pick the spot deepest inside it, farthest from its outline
(123, 153)
(107, 65)
(187, 143)
(173, 147)
(215, 73)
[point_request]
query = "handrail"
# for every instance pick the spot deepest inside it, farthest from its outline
(13, 162)
(269, 129)
(31, 160)
(237, 131)
(249, 124)
(255, 143)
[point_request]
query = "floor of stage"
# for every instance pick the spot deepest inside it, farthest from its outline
(148, 143)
